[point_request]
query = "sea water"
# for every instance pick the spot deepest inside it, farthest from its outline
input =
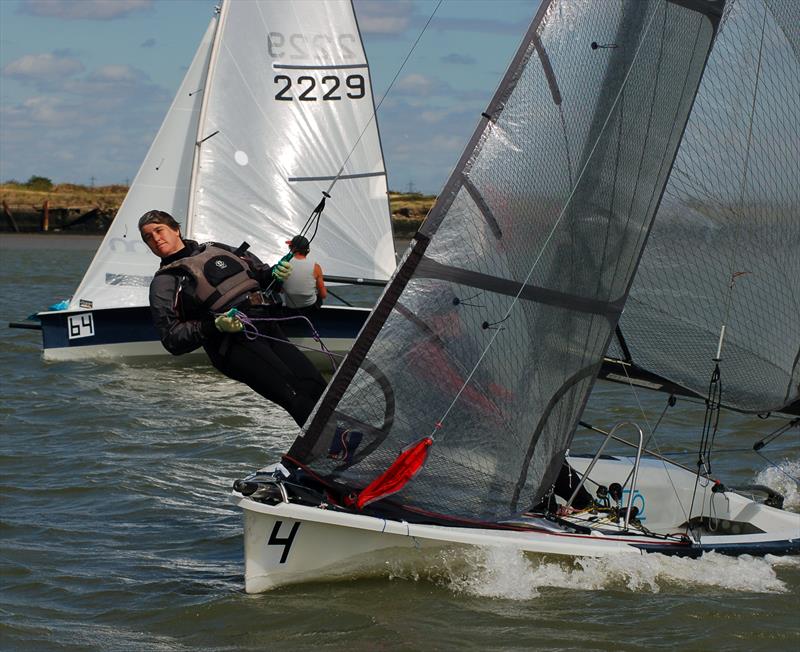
(116, 532)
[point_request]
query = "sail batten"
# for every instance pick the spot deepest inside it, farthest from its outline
(500, 313)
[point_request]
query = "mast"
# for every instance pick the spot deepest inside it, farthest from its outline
(223, 12)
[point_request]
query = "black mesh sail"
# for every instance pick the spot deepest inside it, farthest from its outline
(725, 246)
(492, 331)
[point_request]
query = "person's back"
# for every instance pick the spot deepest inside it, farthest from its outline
(305, 288)
(300, 289)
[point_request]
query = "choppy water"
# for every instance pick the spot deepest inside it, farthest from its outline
(116, 533)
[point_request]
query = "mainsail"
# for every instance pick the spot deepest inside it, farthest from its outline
(725, 247)
(492, 331)
(288, 108)
(276, 103)
(119, 275)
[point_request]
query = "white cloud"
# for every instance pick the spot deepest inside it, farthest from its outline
(38, 112)
(482, 26)
(460, 59)
(114, 74)
(102, 127)
(42, 67)
(387, 18)
(448, 143)
(83, 9)
(418, 84)
(435, 116)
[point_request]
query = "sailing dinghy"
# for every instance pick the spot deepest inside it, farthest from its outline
(275, 109)
(450, 420)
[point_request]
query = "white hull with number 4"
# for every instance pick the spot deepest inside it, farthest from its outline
(286, 542)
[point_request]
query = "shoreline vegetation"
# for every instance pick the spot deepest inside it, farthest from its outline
(40, 206)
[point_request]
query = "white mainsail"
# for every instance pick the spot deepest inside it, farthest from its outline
(289, 104)
(262, 172)
(120, 273)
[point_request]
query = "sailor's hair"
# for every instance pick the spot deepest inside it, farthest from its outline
(299, 244)
(158, 217)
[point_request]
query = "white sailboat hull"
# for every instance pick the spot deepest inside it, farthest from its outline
(289, 543)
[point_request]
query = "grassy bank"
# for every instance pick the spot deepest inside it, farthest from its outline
(67, 202)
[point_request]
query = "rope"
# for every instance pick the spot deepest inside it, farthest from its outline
(252, 333)
(652, 435)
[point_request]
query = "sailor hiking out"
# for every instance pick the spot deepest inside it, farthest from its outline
(201, 295)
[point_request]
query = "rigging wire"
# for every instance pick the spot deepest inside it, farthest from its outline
(714, 399)
(778, 467)
(760, 445)
(710, 421)
(383, 97)
(652, 435)
(775, 434)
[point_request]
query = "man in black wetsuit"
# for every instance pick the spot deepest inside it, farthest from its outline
(194, 288)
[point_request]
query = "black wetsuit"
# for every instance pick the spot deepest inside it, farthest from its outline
(275, 369)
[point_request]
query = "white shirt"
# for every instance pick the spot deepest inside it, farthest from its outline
(300, 289)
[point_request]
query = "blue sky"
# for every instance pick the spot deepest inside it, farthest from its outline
(84, 84)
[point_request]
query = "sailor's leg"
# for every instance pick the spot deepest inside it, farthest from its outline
(306, 378)
(257, 365)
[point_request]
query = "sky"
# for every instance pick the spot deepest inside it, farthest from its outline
(85, 84)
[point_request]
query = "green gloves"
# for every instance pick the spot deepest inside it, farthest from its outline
(282, 270)
(229, 322)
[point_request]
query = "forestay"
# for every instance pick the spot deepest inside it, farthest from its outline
(725, 247)
(289, 106)
(492, 331)
(120, 273)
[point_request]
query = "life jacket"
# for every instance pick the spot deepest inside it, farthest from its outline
(300, 289)
(220, 277)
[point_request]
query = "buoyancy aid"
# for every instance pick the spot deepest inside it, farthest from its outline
(221, 277)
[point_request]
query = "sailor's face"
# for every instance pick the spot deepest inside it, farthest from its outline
(162, 240)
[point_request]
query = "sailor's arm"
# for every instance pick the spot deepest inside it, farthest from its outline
(178, 336)
(322, 291)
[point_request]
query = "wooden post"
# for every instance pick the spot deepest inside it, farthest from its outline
(10, 217)
(46, 215)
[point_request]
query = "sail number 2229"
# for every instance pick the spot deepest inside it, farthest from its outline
(330, 87)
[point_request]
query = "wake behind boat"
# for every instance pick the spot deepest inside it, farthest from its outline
(449, 422)
(244, 154)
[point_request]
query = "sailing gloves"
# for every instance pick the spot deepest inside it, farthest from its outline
(282, 270)
(229, 323)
